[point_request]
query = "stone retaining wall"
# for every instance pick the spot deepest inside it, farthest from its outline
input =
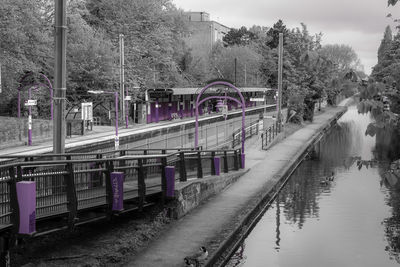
(14, 131)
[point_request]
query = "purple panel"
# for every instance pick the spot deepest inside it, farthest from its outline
(169, 111)
(217, 165)
(180, 110)
(157, 119)
(152, 112)
(243, 160)
(26, 194)
(170, 180)
(117, 185)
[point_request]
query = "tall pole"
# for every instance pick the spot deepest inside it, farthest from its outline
(280, 63)
(245, 75)
(235, 70)
(122, 79)
(30, 118)
(59, 77)
(116, 138)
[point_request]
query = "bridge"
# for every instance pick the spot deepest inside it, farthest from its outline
(73, 189)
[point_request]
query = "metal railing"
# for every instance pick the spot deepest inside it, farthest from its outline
(270, 134)
(69, 185)
(250, 130)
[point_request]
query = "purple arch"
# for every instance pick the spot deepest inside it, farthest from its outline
(199, 102)
(48, 85)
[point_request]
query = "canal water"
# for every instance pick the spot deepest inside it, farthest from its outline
(353, 220)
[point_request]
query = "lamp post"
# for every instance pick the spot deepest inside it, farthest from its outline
(116, 139)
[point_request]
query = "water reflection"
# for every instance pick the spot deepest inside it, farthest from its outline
(352, 220)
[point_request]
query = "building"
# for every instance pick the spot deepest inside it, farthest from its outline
(203, 33)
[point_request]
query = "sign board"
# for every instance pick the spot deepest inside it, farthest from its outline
(259, 99)
(30, 122)
(87, 111)
(225, 110)
(128, 98)
(116, 142)
(31, 102)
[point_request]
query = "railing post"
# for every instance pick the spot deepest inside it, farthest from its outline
(273, 131)
(269, 130)
(13, 200)
(212, 163)
(170, 181)
(109, 192)
(236, 161)
(71, 195)
(163, 177)
(99, 175)
(199, 165)
(122, 163)
(141, 184)
(226, 169)
(145, 152)
(182, 168)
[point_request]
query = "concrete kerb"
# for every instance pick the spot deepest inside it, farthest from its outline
(262, 202)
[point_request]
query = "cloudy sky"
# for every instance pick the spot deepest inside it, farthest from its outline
(358, 23)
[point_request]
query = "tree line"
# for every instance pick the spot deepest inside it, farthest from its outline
(156, 55)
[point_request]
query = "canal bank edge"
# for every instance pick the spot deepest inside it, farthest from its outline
(233, 235)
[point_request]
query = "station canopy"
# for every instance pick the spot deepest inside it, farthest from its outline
(211, 90)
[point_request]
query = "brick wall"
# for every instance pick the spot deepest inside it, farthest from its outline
(14, 131)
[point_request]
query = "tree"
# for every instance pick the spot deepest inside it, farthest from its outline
(248, 64)
(153, 42)
(273, 34)
(240, 36)
(25, 45)
(385, 43)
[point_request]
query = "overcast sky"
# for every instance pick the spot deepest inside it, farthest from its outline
(358, 23)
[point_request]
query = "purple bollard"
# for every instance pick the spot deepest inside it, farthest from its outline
(117, 184)
(26, 194)
(217, 165)
(170, 181)
(242, 156)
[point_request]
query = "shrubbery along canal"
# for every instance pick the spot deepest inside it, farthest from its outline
(350, 220)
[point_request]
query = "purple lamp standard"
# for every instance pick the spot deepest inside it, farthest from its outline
(116, 139)
(48, 85)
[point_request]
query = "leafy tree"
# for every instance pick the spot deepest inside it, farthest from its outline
(273, 33)
(240, 36)
(248, 64)
(385, 43)
(153, 43)
(25, 45)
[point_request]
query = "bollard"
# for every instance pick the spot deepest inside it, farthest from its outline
(117, 185)
(170, 181)
(26, 194)
(217, 165)
(242, 156)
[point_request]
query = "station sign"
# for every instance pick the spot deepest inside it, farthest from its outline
(31, 102)
(257, 99)
(128, 98)
(225, 111)
(116, 142)
(87, 111)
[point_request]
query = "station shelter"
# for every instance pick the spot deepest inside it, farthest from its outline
(179, 103)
